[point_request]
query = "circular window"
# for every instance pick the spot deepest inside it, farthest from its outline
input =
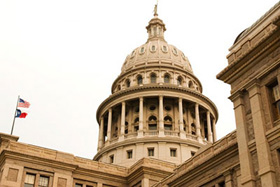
(164, 49)
(183, 56)
(152, 107)
(142, 50)
(168, 108)
(175, 52)
(132, 54)
(153, 48)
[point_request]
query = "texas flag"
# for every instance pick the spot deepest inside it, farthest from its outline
(23, 104)
(20, 114)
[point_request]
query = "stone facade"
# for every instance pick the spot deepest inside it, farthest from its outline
(158, 129)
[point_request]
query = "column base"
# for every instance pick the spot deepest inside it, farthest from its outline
(161, 133)
(121, 138)
(140, 134)
(183, 135)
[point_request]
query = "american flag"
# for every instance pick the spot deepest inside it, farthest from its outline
(22, 103)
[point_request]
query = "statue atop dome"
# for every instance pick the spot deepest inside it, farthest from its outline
(155, 10)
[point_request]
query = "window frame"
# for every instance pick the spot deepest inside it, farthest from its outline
(129, 154)
(38, 174)
(173, 152)
(151, 150)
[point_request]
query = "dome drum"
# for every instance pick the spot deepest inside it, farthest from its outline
(156, 75)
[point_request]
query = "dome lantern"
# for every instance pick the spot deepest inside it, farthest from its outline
(156, 27)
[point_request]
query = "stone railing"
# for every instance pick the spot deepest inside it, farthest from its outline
(170, 133)
(151, 133)
(192, 137)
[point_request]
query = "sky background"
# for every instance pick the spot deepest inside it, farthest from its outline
(63, 56)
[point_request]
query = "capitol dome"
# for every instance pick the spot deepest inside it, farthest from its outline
(156, 51)
(156, 108)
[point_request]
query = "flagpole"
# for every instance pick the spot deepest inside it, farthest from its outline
(14, 117)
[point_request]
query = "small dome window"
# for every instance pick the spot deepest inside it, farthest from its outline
(183, 56)
(132, 54)
(166, 78)
(179, 81)
(142, 50)
(153, 77)
(139, 80)
(153, 48)
(167, 108)
(127, 82)
(164, 49)
(175, 51)
(152, 107)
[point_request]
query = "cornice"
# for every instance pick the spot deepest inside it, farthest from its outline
(241, 63)
(165, 87)
(37, 160)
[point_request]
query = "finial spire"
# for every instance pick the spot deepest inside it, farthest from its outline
(155, 9)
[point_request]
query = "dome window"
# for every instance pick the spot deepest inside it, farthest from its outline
(175, 51)
(142, 50)
(127, 83)
(164, 49)
(153, 48)
(179, 81)
(166, 78)
(152, 107)
(152, 123)
(132, 54)
(183, 56)
(139, 80)
(153, 78)
(167, 108)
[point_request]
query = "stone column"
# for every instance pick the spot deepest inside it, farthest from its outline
(140, 131)
(161, 122)
(122, 121)
(101, 133)
(197, 123)
(189, 121)
(109, 124)
(266, 168)
(246, 166)
(181, 124)
(209, 130)
(214, 130)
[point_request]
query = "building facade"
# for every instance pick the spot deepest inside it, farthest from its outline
(158, 129)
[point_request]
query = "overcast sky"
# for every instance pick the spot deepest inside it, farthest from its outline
(63, 56)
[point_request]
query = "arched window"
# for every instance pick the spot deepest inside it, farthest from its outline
(179, 81)
(136, 120)
(139, 80)
(193, 129)
(127, 83)
(166, 78)
(126, 127)
(153, 78)
(191, 84)
(152, 123)
(185, 125)
(167, 123)
(136, 124)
